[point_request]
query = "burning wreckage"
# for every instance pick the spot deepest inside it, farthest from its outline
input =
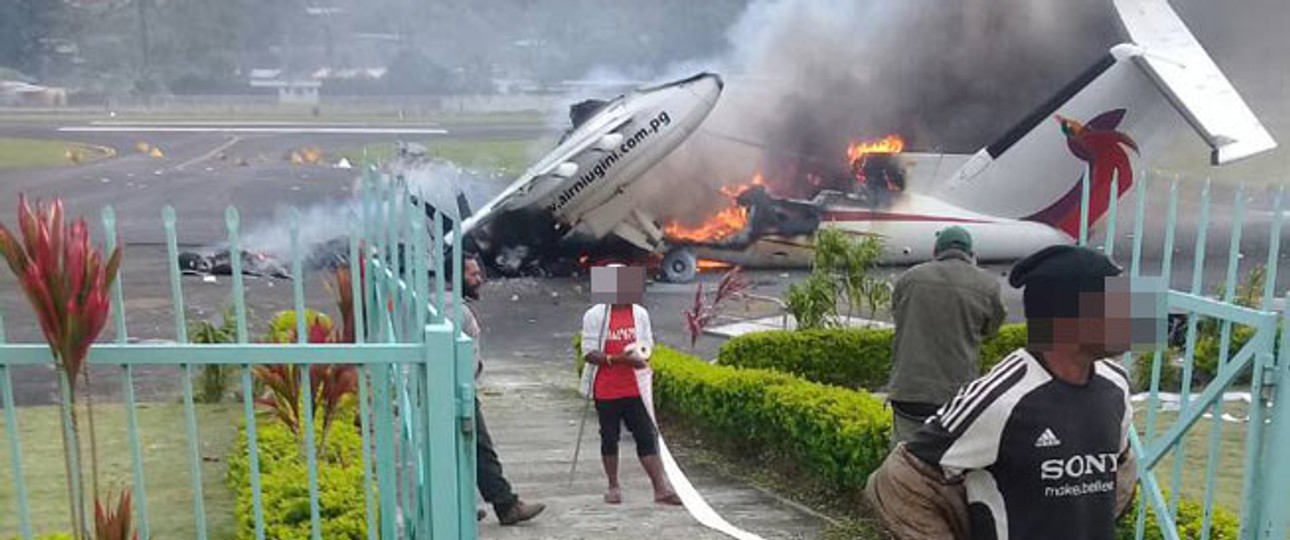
(1020, 193)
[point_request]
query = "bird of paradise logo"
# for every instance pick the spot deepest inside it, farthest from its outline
(1105, 150)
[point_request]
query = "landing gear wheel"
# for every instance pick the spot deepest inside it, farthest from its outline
(680, 266)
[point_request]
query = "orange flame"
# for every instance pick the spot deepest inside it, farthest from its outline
(710, 264)
(891, 144)
(724, 224)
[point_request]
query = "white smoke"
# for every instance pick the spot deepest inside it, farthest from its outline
(317, 225)
(435, 181)
(806, 77)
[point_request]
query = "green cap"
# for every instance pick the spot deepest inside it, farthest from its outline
(953, 238)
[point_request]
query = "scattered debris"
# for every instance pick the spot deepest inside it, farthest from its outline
(220, 264)
(305, 156)
(156, 153)
(209, 279)
(344, 164)
(105, 180)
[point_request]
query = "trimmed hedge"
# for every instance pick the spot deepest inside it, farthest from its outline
(285, 491)
(851, 358)
(839, 435)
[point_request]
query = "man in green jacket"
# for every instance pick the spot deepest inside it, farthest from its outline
(943, 310)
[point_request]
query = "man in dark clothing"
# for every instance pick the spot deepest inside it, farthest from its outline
(943, 310)
(488, 468)
(1038, 447)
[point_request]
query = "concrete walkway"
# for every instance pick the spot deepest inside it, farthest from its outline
(532, 411)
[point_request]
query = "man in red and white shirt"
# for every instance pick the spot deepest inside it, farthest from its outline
(616, 340)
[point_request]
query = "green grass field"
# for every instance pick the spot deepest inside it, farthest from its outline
(1231, 455)
(507, 156)
(34, 153)
(165, 460)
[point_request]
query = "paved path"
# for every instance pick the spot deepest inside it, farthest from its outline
(532, 411)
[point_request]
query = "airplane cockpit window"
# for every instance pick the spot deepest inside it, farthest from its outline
(580, 112)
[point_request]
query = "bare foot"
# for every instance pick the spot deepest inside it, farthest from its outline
(669, 499)
(613, 496)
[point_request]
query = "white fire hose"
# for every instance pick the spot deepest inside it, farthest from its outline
(694, 503)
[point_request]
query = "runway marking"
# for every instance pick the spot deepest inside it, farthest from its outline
(232, 141)
(239, 123)
(282, 130)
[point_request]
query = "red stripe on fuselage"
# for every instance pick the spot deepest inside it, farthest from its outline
(866, 215)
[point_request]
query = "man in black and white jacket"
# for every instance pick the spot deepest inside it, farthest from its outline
(1038, 447)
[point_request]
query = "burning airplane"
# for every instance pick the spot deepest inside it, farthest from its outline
(580, 193)
(1018, 194)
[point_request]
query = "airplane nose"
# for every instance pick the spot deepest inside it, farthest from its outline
(721, 84)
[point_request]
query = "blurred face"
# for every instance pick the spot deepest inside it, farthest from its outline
(1128, 315)
(618, 285)
(472, 278)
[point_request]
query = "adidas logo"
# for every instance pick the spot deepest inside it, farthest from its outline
(1047, 439)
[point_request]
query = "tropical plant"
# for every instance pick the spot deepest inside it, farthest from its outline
(841, 274)
(66, 280)
(214, 378)
(282, 328)
(698, 317)
(343, 292)
(113, 523)
(329, 385)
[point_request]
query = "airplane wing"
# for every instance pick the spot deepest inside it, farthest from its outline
(1192, 81)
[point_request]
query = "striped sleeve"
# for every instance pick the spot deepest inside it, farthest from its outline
(1116, 373)
(964, 434)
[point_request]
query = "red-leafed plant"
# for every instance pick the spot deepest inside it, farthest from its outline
(113, 523)
(329, 384)
(344, 294)
(701, 314)
(66, 280)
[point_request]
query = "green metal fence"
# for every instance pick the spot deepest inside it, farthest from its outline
(1264, 468)
(415, 391)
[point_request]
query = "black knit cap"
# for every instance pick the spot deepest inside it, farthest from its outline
(1054, 277)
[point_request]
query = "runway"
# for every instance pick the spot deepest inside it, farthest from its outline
(199, 184)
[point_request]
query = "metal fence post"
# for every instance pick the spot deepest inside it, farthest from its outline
(1272, 499)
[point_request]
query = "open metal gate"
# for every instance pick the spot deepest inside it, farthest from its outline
(1225, 360)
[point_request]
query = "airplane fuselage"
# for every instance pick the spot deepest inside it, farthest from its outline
(907, 229)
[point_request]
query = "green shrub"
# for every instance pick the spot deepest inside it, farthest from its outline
(282, 328)
(1170, 373)
(285, 492)
(1010, 338)
(213, 383)
(1209, 340)
(852, 358)
(1191, 514)
(839, 435)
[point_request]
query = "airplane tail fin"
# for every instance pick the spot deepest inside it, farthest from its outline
(1104, 124)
